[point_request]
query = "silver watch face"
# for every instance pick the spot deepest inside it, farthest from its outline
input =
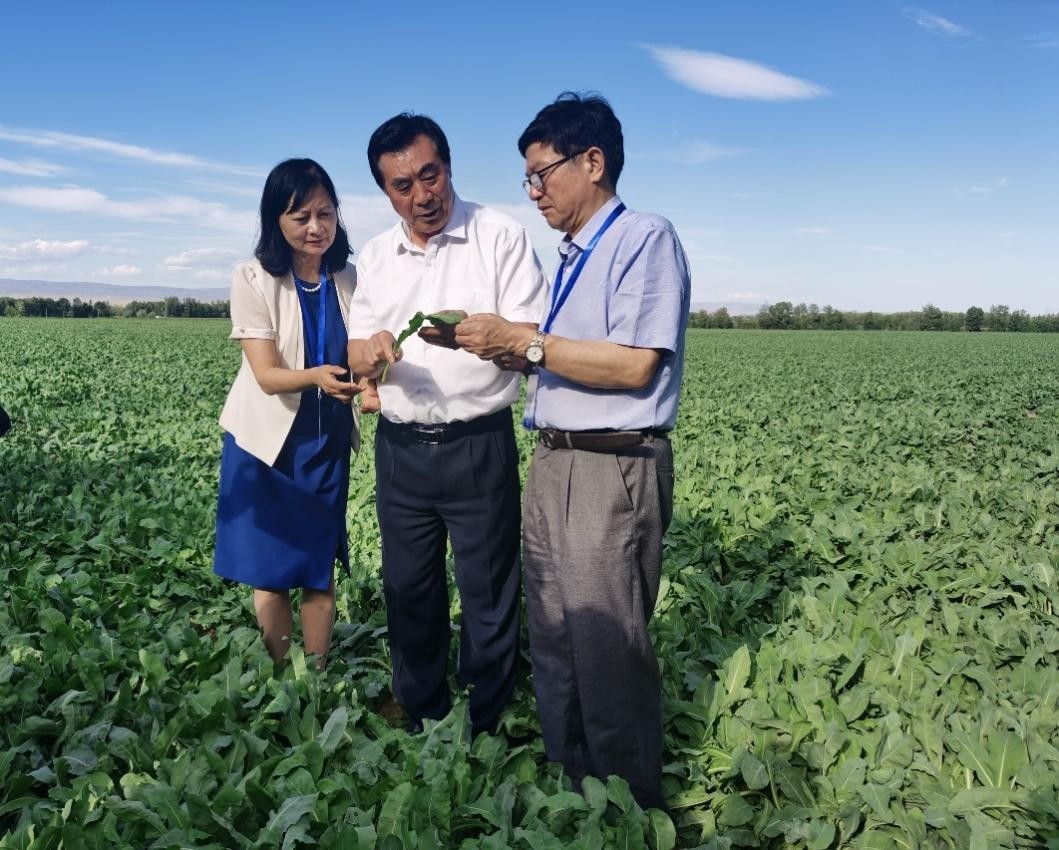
(535, 352)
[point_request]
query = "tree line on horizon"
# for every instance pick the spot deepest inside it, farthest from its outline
(171, 307)
(784, 315)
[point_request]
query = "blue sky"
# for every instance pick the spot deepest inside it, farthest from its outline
(868, 155)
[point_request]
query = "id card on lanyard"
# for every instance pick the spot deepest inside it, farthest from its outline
(559, 296)
(319, 350)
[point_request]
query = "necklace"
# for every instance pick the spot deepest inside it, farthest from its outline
(309, 290)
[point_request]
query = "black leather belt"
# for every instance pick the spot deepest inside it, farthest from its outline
(436, 433)
(598, 441)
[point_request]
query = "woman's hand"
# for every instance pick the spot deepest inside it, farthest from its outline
(330, 379)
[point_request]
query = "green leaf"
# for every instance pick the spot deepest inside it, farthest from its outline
(736, 674)
(292, 810)
(395, 810)
(755, 774)
(595, 794)
(878, 797)
(735, 812)
(414, 324)
(821, 835)
(446, 317)
(661, 834)
(620, 795)
(334, 730)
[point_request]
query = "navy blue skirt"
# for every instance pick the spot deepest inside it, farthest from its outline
(282, 526)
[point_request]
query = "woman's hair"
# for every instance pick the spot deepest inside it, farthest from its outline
(287, 187)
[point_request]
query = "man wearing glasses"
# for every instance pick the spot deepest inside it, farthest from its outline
(607, 360)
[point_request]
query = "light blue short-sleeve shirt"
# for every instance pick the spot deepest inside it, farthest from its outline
(634, 290)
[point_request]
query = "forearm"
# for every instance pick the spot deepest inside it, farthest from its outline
(591, 363)
(277, 379)
(600, 364)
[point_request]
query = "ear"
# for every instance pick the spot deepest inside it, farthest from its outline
(596, 164)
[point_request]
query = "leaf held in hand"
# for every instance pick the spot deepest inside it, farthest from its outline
(446, 317)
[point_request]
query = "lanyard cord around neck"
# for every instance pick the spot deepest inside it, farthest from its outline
(561, 293)
(316, 353)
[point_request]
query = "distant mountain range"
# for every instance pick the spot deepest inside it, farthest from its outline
(119, 295)
(109, 292)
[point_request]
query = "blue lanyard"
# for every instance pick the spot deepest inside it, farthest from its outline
(316, 353)
(559, 293)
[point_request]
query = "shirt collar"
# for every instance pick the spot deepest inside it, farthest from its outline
(455, 229)
(580, 239)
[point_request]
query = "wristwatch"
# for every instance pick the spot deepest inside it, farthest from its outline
(535, 350)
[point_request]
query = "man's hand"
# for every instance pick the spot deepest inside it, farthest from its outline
(490, 336)
(442, 335)
(377, 351)
(369, 396)
(511, 363)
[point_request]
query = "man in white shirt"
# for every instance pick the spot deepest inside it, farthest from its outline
(445, 455)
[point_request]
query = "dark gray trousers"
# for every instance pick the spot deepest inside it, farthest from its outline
(592, 538)
(465, 490)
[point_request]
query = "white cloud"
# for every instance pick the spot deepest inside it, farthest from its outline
(938, 25)
(365, 216)
(725, 76)
(983, 189)
(198, 257)
(741, 195)
(882, 249)
(739, 297)
(122, 271)
(31, 167)
(1048, 40)
(212, 274)
(20, 271)
(813, 231)
(698, 152)
(38, 248)
(542, 237)
(68, 141)
(77, 199)
(223, 187)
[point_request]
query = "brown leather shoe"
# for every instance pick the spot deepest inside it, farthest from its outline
(390, 710)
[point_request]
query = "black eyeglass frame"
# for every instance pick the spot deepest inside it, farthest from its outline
(535, 179)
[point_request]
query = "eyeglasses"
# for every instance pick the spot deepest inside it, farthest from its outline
(535, 181)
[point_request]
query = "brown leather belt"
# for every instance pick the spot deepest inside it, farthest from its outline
(598, 441)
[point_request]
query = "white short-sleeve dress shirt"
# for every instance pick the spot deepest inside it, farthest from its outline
(482, 262)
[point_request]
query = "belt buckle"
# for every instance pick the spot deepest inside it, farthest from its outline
(430, 435)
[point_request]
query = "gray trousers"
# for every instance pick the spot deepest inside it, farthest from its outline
(592, 536)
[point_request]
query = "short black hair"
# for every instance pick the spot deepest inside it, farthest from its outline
(576, 122)
(398, 133)
(287, 187)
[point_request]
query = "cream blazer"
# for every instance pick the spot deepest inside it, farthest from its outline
(267, 307)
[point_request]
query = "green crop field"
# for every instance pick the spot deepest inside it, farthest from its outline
(857, 626)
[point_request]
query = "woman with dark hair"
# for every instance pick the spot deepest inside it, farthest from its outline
(288, 416)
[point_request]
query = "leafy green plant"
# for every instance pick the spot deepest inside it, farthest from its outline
(855, 629)
(446, 317)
